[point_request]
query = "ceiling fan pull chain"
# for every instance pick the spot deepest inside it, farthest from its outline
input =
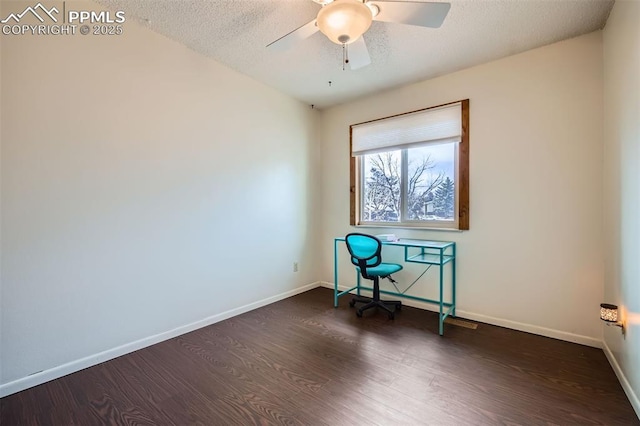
(345, 55)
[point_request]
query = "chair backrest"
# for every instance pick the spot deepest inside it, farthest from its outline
(365, 251)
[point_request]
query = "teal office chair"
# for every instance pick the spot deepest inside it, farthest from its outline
(366, 255)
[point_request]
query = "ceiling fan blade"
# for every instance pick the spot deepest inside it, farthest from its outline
(412, 13)
(358, 54)
(287, 41)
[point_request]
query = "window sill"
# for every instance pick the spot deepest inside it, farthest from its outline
(407, 226)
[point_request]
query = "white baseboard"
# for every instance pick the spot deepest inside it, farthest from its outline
(514, 325)
(626, 386)
(89, 361)
(533, 329)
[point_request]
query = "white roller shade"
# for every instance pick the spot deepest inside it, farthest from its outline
(435, 125)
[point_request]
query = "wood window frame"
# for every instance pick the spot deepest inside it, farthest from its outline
(463, 172)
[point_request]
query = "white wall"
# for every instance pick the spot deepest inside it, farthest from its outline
(622, 189)
(144, 188)
(128, 172)
(533, 258)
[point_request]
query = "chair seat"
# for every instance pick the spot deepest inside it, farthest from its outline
(382, 270)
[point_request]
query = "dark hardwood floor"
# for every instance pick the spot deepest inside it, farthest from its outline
(302, 362)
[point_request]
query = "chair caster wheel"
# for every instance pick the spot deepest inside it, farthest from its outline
(392, 315)
(359, 313)
(352, 303)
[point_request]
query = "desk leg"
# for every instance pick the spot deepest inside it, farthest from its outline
(453, 282)
(441, 321)
(335, 273)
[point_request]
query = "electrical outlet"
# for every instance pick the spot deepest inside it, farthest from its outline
(295, 266)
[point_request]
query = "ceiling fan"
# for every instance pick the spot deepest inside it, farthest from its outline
(345, 21)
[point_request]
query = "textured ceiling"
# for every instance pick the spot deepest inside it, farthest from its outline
(235, 33)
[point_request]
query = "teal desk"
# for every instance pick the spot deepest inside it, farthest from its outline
(428, 253)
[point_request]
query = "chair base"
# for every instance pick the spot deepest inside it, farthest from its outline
(372, 303)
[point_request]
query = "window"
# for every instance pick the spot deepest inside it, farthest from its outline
(412, 170)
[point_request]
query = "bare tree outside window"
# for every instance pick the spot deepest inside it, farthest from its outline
(429, 188)
(382, 187)
(425, 174)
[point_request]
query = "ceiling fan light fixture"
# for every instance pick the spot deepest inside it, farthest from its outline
(344, 21)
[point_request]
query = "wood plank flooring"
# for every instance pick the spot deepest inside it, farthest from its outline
(302, 362)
